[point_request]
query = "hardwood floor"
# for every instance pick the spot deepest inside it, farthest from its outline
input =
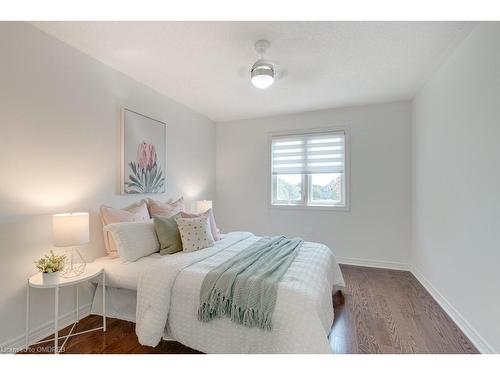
(389, 311)
(385, 311)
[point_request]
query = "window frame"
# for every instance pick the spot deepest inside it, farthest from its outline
(305, 203)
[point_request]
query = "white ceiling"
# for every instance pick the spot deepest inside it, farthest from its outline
(205, 65)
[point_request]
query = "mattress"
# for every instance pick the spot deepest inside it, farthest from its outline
(124, 274)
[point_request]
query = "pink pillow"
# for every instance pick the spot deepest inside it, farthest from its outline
(165, 209)
(211, 220)
(109, 215)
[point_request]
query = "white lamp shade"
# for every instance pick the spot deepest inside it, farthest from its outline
(202, 206)
(262, 81)
(70, 229)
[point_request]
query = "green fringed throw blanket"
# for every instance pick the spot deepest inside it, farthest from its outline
(244, 287)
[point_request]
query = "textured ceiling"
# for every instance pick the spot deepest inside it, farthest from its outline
(205, 65)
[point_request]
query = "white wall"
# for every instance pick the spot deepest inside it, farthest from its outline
(59, 152)
(456, 179)
(377, 227)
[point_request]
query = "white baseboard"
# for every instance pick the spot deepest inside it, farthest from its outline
(46, 329)
(479, 342)
(374, 263)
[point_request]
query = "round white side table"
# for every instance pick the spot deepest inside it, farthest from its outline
(36, 281)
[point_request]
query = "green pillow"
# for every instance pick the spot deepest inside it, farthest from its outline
(168, 234)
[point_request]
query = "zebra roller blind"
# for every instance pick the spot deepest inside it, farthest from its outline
(309, 153)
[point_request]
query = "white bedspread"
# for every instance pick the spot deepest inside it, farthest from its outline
(168, 300)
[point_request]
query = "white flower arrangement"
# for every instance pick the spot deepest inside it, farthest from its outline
(50, 263)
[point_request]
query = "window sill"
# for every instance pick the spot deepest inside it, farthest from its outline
(306, 207)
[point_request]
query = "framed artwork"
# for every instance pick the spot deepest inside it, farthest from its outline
(144, 154)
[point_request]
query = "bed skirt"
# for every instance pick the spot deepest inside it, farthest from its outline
(120, 303)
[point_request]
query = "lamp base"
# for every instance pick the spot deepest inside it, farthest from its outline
(75, 264)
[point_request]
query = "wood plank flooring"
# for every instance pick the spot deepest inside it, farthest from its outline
(389, 311)
(385, 311)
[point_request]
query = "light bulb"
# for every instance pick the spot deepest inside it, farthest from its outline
(262, 81)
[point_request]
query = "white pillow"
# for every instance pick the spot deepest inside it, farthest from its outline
(195, 233)
(134, 240)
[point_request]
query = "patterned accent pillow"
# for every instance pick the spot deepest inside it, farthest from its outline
(211, 219)
(195, 233)
(165, 209)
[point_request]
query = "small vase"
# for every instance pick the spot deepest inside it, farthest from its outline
(50, 277)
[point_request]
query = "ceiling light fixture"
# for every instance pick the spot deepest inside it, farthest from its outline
(262, 72)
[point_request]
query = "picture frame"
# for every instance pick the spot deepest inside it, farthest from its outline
(143, 154)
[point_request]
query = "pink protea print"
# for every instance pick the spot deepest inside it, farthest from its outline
(146, 156)
(147, 175)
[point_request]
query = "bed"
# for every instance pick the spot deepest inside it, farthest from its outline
(161, 294)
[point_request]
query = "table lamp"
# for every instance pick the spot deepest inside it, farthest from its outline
(202, 206)
(71, 230)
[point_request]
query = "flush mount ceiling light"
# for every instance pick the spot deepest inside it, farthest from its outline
(262, 72)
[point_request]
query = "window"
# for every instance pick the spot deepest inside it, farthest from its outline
(309, 170)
